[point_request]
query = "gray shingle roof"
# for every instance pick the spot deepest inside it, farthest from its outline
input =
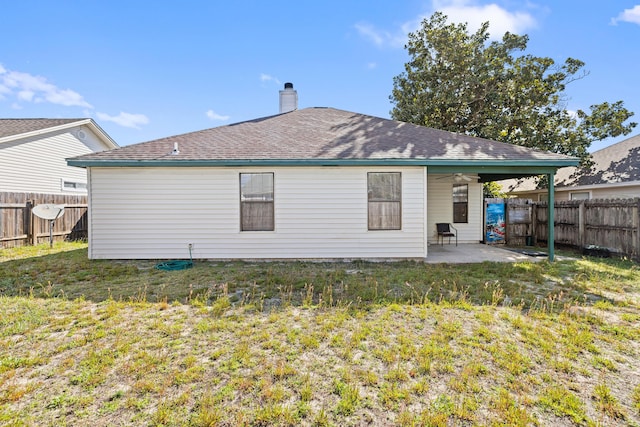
(11, 127)
(320, 134)
(616, 163)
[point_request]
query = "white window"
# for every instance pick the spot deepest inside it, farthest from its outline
(256, 202)
(384, 191)
(460, 203)
(580, 195)
(67, 185)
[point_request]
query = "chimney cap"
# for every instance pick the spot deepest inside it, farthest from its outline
(288, 98)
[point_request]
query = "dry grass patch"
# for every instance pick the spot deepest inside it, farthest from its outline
(402, 364)
(331, 351)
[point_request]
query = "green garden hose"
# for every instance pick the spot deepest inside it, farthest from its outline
(176, 264)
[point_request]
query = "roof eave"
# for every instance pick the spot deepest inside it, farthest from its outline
(104, 137)
(438, 164)
(45, 130)
(600, 186)
(108, 141)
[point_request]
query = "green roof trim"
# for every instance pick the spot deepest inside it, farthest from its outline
(440, 166)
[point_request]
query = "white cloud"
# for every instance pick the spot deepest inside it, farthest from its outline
(4, 91)
(500, 20)
(215, 116)
(26, 95)
(29, 88)
(67, 98)
(472, 12)
(127, 120)
(369, 32)
(628, 15)
(269, 78)
(382, 38)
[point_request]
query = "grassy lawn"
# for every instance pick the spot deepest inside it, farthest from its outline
(228, 343)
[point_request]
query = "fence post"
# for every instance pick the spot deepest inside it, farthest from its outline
(507, 235)
(33, 226)
(28, 221)
(551, 221)
(582, 226)
(534, 222)
(636, 219)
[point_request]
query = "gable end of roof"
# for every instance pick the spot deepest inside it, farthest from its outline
(14, 129)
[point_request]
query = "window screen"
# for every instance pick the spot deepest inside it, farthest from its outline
(460, 203)
(256, 202)
(385, 195)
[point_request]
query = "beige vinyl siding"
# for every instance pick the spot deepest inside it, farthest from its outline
(596, 192)
(440, 206)
(37, 164)
(320, 213)
(609, 191)
(558, 196)
(620, 192)
(542, 196)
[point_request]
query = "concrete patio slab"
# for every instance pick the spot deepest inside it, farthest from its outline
(474, 253)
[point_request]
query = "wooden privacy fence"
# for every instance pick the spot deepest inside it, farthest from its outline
(613, 224)
(18, 225)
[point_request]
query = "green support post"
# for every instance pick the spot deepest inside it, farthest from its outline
(551, 217)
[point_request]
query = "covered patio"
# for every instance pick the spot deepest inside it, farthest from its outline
(478, 252)
(497, 171)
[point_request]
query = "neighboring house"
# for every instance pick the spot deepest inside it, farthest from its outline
(316, 183)
(33, 153)
(615, 175)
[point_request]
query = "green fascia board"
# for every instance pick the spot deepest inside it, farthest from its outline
(434, 165)
(502, 169)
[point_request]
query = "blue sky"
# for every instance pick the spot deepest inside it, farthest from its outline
(146, 70)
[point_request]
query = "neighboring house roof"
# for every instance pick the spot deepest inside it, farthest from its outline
(12, 129)
(321, 136)
(615, 164)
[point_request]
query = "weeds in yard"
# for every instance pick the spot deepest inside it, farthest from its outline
(349, 398)
(317, 344)
(510, 412)
(564, 403)
(635, 397)
(607, 402)
(392, 394)
(207, 412)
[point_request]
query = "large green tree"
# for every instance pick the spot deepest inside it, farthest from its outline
(459, 81)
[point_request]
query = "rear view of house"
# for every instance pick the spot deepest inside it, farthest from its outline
(313, 183)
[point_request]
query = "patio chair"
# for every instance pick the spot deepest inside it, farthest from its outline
(444, 230)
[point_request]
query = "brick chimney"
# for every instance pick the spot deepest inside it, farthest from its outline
(288, 99)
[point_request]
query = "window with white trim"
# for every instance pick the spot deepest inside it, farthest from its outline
(384, 194)
(580, 195)
(256, 202)
(460, 203)
(68, 185)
